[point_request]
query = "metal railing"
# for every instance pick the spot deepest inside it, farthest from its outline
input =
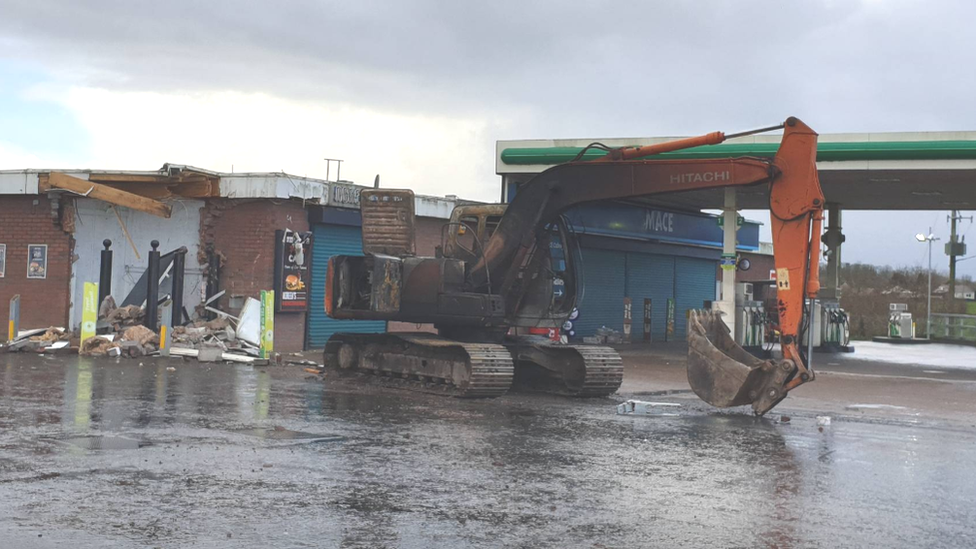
(954, 327)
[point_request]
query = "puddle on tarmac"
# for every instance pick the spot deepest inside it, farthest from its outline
(105, 443)
(287, 434)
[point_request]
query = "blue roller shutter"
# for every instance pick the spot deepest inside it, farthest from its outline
(603, 294)
(694, 284)
(333, 240)
(650, 276)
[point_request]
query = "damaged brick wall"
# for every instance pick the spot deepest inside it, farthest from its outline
(242, 232)
(35, 219)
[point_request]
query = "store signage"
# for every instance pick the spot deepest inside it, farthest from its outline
(37, 261)
(267, 323)
(660, 222)
(3, 259)
(89, 310)
(345, 195)
(293, 255)
(627, 221)
(738, 221)
(728, 262)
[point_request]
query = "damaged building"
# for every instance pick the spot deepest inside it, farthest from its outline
(238, 230)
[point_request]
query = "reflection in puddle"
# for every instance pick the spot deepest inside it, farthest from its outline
(106, 443)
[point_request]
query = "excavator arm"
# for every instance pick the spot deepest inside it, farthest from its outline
(720, 371)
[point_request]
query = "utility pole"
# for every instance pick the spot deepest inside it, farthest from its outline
(954, 249)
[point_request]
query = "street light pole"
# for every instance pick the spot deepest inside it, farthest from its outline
(928, 307)
(929, 238)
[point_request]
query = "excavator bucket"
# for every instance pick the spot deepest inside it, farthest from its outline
(724, 374)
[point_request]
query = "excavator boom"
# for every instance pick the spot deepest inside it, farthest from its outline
(719, 371)
(506, 277)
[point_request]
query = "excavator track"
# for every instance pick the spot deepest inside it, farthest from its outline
(570, 370)
(425, 363)
(604, 371)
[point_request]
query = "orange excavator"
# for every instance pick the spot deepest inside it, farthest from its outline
(502, 268)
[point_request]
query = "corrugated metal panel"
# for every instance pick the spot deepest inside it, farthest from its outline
(332, 240)
(694, 284)
(603, 296)
(650, 275)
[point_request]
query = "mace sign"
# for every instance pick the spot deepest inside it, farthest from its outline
(626, 221)
(345, 196)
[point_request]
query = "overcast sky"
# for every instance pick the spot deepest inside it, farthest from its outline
(419, 90)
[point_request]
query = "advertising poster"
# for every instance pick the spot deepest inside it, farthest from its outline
(669, 327)
(293, 253)
(37, 261)
(89, 311)
(267, 323)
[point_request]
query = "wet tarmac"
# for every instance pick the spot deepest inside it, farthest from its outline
(131, 454)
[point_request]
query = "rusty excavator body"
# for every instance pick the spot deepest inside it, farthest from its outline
(502, 268)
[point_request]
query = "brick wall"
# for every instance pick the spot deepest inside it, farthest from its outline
(243, 231)
(44, 302)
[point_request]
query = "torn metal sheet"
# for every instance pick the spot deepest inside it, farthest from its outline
(644, 408)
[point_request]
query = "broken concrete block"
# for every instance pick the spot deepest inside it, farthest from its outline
(210, 354)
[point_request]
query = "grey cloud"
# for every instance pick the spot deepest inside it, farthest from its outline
(580, 68)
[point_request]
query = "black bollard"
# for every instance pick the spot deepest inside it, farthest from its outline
(105, 274)
(152, 288)
(179, 267)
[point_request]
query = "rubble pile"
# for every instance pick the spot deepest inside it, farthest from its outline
(120, 332)
(49, 340)
(97, 346)
(51, 335)
(123, 317)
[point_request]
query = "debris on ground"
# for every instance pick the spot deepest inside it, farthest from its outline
(249, 326)
(141, 335)
(644, 408)
(51, 340)
(52, 335)
(604, 336)
(121, 333)
(310, 363)
(96, 346)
